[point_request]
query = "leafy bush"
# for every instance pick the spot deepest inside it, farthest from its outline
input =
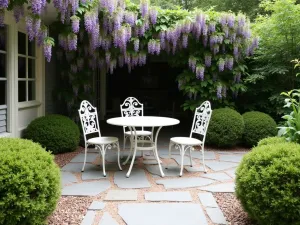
(56, 133)
(268, 184)
(258, 125)
(29, 182)
(271, 140)
(225, 128)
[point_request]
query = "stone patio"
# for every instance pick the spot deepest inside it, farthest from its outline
(147, 199)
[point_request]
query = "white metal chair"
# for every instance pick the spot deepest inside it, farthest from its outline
(132, 107)
(200, 125)
(90, 124)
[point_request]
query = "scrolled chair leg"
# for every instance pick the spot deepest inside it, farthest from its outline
(182, 159)
(85, 152)
(118, 146)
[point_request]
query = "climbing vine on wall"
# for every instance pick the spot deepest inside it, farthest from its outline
(104, 34)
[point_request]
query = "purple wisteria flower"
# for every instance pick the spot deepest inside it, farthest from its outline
(127, 58)
(29, 28)
(226, 31)
(230, 20)
(152, 46)
(237, 77)
(136, 44)
(75, 24)
(107, 58)
(211, 27)
(236, 51)
(43, 33)
(157, 47)
(221, 64)
(72, 42)
(223, 20)
(200, 72)
(121, 61)
(18, 12)
(3, 4)
(2, 14)
(241, 20)
(162, 36)
(36, 26)
(90, 21)
(153, 15)
(204, 30)
(130, 18)
(219, 92)
(144, 7)
(185, 38)
(142, 59)
(224, 91)
(229, 62)
(213, 40)
(207, 59)
(37, 6)
(135, 60)
(75, 6)
(122, 4)
(128, 33)
(48, 51)
(204, 41)
(192, 63)
(186, 26)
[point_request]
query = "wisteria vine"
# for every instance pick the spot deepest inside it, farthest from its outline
(109, 33)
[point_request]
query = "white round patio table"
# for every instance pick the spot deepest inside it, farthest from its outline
(143, 121)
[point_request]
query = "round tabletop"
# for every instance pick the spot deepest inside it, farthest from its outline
(143, 121)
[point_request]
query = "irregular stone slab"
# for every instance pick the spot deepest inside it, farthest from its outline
(207, 155)
(175, 196)
(185, 182)
(233, 152)
(90, 157)
(216, 215)
(218, 166)
(76, 167)
(68, 178)
(177, 158)
(96, 205)
(150, 162)
(86, 188)
(88, 218)
(226, 187)
(137, 179)
(208, 200)
(231, 158)
(172, 171)
(93, 174)
(217, 176)
(107, 220)
(162, 214)
(121, 195)
(231, 172)
(194, 169)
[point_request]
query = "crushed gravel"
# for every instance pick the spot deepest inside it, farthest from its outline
(65, 158)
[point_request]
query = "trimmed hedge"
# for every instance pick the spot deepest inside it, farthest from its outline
(29, 182)
(226, 128)
(258, 126)
(56, 133)
(268, 184)
(271, 140)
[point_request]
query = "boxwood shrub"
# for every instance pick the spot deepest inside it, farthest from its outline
(271, 140)
(226, 128)
(56, 133)
(268, 184)
(29, 182)
(258, 126)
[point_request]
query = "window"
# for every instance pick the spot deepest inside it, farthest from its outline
(26, 68)
(3, 80)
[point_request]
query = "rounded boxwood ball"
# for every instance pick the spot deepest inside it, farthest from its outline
(226, 128)
(271, 140)
(56, 133)
(29, 182)
(258, 126)
(268, 184)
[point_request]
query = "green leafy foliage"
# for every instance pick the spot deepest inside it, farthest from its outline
(29, 182)
(291, 128)
(271, 140)
(268, 184)
(258, 125)
(226, 128)
(56, 133)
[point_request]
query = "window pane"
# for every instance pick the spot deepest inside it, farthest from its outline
(21, 43)
(2, 92)
(22, 67)
(31, 47)
(3, 38)
(31, 90)
(31, 68)
(22, 91)
(2, 65)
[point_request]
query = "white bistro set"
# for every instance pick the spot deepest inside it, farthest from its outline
(133, 122)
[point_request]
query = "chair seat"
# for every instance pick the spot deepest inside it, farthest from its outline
(186, 141)
(102, 140)
(140, 133)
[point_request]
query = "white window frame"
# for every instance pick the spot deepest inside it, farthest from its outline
(27, 79)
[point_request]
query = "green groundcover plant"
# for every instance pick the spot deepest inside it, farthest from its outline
(268, 184)
(29, 182)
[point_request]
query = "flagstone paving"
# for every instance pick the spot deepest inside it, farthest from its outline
(145, 198)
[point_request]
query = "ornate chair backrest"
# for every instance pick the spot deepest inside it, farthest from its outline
(89, 119)
(201, 119)
(131, 107)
